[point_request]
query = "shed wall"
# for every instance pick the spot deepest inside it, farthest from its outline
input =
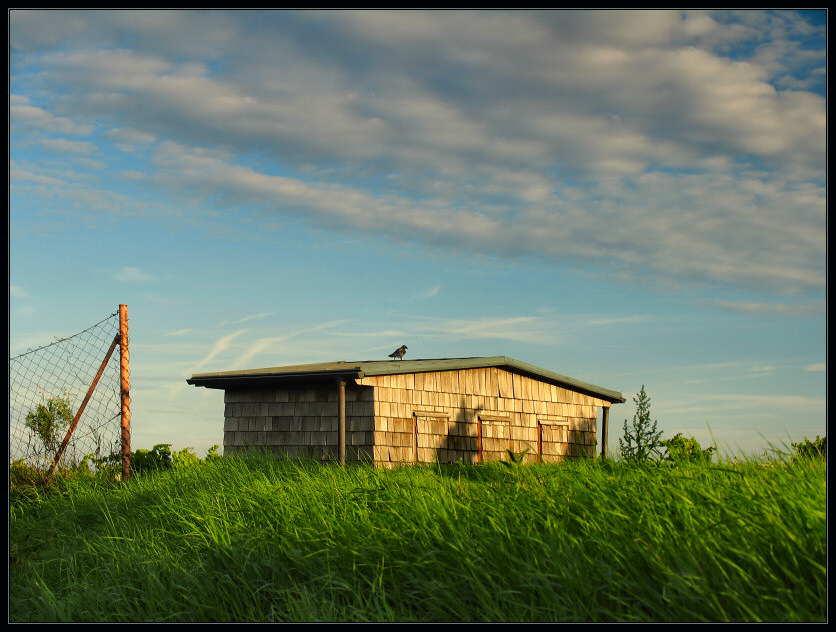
(468, 415)
(513, 412)
(298, 422)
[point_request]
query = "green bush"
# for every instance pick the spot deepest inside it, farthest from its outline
(810, 449)
(31, 483)
(25, 481)
(142, 461)
(187, 457)
(158, 458)
(682, 450)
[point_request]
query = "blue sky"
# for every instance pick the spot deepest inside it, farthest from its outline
(627, 198)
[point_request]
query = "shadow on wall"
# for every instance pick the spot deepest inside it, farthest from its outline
(461, 443)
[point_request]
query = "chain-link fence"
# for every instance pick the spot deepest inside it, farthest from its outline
(66, 398)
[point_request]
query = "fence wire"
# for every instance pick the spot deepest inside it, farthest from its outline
(63, 372)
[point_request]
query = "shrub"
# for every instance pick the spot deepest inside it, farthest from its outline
(29, 482)
(186, 458)
(142, 461)
(157, 458)
(810, 449)
(25, 481)
(682, 450)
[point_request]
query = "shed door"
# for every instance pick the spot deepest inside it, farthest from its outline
(431, 436)
(494, 433)
(552, 439)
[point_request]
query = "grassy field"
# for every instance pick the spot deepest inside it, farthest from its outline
(262, 540)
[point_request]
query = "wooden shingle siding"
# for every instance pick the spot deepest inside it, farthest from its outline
(403, 435)
(297, 423)
(394, 415)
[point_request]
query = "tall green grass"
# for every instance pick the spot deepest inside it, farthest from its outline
(254, 539)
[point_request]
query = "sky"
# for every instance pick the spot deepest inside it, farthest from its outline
(629, 198)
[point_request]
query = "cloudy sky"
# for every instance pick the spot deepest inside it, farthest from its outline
(628, 198)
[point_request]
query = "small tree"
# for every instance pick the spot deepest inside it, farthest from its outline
(641, 442)
(50, 422)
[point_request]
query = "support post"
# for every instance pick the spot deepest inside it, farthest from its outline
(605, 422)
(414, 438)
(478, 439)
(125, 388)
(83, 406)
(341, 386)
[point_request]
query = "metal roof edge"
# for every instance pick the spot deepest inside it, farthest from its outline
(354, 370)
(230, 378)
(395, 367)
(607, 394)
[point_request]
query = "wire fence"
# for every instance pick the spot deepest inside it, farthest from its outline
(66, 398)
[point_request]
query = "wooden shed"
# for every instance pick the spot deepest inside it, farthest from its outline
(411, 411)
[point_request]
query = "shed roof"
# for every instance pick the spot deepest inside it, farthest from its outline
(329, 371)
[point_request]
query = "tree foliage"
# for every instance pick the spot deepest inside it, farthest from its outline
(50, 422)
(642, 442)
(682, 450)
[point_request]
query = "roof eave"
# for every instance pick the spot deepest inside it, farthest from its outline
(259, 380)
(614, 397)
(345, 371)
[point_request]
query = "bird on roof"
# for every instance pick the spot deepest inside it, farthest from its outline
(398, 353)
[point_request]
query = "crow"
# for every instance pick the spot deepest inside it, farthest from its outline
(398, 353)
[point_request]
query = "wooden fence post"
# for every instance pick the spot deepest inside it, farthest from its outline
(125, 388)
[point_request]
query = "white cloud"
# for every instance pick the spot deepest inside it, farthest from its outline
(253, 317)
(219, 346)
(725, 235)
(628, 141)
(815, 368)
(522, 329)
(618, 320)
(21, 175)
(262, 345)
(429, 293)
(780, 405)
(530, 329)
(130, 274)
(757, 308)
(21, 113)
(130, 140)
(64, 146)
